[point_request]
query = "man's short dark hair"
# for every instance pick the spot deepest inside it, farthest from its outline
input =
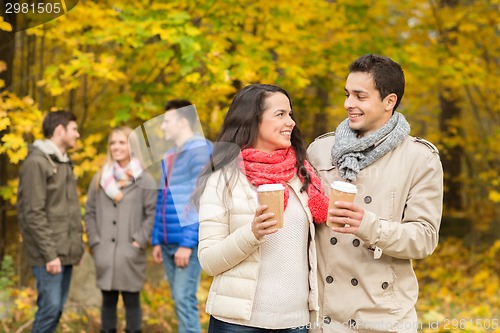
(54, 119)
(184, 109)
(387, 75)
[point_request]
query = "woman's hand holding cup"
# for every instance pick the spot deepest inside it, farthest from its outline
(263, 224)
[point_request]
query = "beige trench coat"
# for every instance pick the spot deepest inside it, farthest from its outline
(366, 280)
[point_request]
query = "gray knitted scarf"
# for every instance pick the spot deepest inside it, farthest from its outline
(352, 154)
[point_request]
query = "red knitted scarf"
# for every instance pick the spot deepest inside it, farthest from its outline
(279, 167)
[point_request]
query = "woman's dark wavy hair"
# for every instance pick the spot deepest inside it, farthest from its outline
(241, 128)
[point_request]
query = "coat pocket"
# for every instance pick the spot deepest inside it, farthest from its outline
(382, 289)
(135, 257)
(61, 235)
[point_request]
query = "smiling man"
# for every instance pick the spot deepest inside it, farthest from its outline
(366, 279)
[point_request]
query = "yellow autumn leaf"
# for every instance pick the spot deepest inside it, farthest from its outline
(492, 286)
(494, 196)
(193, 77)
(16, 156)
(468, 27)
(13, 141)
(4, 122)
(28, 100)
(480, 278)
(5, 26)
(56, 90)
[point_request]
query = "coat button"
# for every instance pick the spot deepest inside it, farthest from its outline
(354, 282)
(114, 222)
(356, 242)
(114, 204)
(352, 323)
(333, 240)
(113, 240)
(329, 279)
(368, 199)
(385, 285)
(327, 320)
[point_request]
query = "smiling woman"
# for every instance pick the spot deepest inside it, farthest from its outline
(275, 130)
(119, 215)
(118, 148)
(276, 284)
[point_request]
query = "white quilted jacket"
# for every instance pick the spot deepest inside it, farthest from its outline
(229, 251)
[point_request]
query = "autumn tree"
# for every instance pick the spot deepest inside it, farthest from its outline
(117, 62)
(6, 60)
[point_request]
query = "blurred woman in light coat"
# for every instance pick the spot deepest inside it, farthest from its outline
(119, 215)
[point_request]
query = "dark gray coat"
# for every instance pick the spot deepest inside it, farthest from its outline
(112, 227)
(48, 210)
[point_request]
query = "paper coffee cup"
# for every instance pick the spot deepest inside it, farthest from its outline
(273, 195)
(340, 191)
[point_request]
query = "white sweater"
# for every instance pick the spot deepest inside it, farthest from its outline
(282, 289)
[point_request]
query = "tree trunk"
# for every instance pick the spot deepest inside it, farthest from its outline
(320, 125)
(452, 156)
(7, 43)
(41, 68)
(450, 114)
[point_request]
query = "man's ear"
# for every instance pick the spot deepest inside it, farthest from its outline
(390, 101)
(58, 131)
(184, 122)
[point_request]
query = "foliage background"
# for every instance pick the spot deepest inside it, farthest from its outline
(117, 62)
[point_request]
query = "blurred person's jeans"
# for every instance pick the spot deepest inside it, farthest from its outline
(52, 294)
(218, 326)
(184, 284)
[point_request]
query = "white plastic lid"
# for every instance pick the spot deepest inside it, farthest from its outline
(270, 187)
(344, 187)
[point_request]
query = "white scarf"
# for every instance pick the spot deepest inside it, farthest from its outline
(50, 148)
(114, 178)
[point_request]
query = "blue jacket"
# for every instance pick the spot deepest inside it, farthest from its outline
(176, 221)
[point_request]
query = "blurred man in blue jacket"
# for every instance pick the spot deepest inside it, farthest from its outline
(175, 232)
